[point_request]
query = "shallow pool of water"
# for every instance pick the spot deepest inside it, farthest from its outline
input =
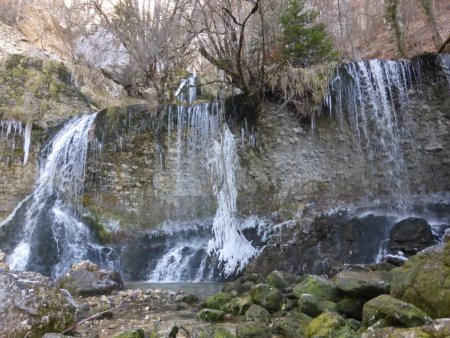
(201, 290)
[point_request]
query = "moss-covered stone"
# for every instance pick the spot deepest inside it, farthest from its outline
(253, 330)
(310, 305)
(292, 325)
(211, 315)
(281, 280)
(391, 332)
(239, 305)
(424, 280)
(319, 287)
(351, 307)
(138, 333)
(394, 312)
(329, 325)
(218, 301)
(257, 313)
(267, 296)
(363, 284)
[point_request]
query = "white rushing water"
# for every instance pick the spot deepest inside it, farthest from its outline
(372, 96)
(56, 198)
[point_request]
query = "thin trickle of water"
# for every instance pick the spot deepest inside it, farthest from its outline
(10, 130)
(444, 60)
(372, 96)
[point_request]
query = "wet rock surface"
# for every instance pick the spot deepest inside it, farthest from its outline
(410, 236)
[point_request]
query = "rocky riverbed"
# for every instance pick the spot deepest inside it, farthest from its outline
(369, 301)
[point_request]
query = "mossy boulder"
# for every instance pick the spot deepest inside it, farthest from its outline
(319, 287)
(390, 332)
(218, 301)
(363, 284)
(239, 305)
(212, 331)
(253, 330)
(256, 313)
(211, 315)
(268, 297)
(138, 333)
(424, 280)
(292, 325)
(329, 325)
(393, 312)
(310, 305)
(281, 280)
(351, 307)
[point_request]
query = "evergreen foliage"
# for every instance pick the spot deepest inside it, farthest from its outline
(305, 41)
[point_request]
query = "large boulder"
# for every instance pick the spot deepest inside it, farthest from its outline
(267, 296)
(281, 280)
(363, 284)
(329, 325)
(218, 301)
(87, 279)
(319, 287)
(257, 313)
(393, 312)
(410, 236)
(292, 325)
(31, 307)
(424, 280)
(253, 330)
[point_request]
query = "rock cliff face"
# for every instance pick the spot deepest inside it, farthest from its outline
(383, 138)
(144, 172)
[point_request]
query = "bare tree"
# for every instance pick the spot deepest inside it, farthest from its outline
(238, 37)
(155, 37)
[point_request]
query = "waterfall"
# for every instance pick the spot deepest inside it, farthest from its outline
(371, 96)
(52, 236)
(204, 147)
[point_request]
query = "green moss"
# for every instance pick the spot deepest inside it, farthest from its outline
(329, 325)
(319, 287)
(211, 315)
(423, 281)
(239, 305)
(218, 301)
(253, 330)
(138, 333)
(267, 296)
(394, 312)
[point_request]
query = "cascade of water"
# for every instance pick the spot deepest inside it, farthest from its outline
(202, 141)
(371, 95)
(52, 236)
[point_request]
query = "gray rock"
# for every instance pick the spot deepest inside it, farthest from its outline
(31, 307)
(363, 284)
(90, 281)
(267, 296)
(257, 313)
(410, 236)
(393, 312)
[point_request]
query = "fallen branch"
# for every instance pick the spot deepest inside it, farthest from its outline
(94, 316)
